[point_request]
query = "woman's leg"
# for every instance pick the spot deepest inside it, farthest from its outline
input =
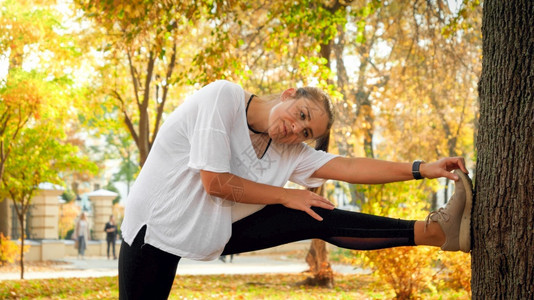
(276, 225)
(448, 227)
(81, 244)
(113, 247)
(429, 234)
(145, 272)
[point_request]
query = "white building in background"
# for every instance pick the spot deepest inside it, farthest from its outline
(42, 223)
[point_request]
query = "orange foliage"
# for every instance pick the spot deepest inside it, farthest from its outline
(411, 270)
(407, 270)
(69, 212)
(457, 267)
(9, 250)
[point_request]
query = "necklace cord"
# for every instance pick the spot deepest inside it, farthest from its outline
(252, 129)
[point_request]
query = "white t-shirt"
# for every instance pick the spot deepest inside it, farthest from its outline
(207, 132)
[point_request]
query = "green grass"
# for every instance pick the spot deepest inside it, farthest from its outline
(264, 286)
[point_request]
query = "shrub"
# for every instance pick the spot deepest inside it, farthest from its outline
(457, 270)
(9, 250)
(408, 270)
(67, 219)
(68, 195)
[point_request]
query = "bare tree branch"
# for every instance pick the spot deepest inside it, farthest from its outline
(134, 78)
(170, 69)
(127, 119)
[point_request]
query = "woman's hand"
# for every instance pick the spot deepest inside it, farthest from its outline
(303, 200)
(443, 168)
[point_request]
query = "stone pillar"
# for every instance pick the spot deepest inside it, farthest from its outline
(45, 212)
(102, 208)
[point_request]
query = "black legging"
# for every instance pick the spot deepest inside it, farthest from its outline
(146, 272)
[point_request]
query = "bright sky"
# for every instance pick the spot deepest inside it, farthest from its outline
(3, 67)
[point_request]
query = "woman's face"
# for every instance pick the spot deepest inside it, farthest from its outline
(296, 120)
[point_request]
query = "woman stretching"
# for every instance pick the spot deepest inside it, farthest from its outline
(213, 184)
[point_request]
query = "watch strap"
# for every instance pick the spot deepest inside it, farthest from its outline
(415, 169)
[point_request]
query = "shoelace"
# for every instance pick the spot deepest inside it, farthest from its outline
(441, 213)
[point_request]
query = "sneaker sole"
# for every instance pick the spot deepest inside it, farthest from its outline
(465, 223)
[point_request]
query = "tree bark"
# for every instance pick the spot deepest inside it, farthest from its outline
(503, 216)
(317, 259)
(22, 229)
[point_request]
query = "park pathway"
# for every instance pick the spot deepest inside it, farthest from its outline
(273, 260)
(249, 264)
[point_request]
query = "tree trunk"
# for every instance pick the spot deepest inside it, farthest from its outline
(317, 259)
(503, 216)
(21, 220)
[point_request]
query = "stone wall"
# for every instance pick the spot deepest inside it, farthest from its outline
(43, 227)
(58, 249)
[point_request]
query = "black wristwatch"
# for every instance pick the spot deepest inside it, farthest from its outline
(415, 169)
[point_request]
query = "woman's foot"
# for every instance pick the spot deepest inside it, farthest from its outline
(455, 217)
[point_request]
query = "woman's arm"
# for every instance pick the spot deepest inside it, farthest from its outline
(238, 189)
(373, 171)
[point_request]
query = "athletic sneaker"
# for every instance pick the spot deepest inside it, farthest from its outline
(455, 217)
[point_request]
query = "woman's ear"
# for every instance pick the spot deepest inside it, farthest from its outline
(288, 94)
